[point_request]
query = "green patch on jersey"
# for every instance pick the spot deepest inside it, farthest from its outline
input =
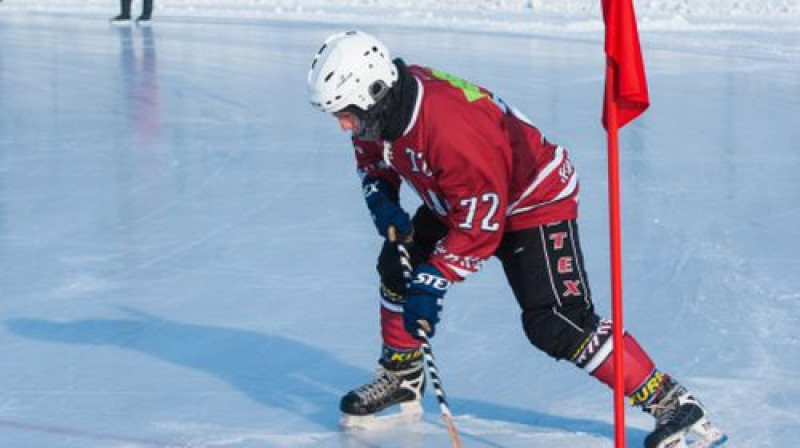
(471, 91)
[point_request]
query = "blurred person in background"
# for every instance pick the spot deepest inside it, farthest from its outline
(124, 17)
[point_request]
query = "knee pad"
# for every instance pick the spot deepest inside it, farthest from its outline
(559, 331)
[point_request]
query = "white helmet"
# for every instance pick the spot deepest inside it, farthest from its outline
(351, 69)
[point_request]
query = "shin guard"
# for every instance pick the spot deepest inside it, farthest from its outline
(595, 355)
(400, 349)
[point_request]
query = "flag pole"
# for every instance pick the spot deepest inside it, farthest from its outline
(616, 257)
(626, 98)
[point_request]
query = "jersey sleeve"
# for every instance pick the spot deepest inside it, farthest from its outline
(472, 167)
(370, 163)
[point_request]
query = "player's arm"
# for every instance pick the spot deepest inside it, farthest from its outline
(474, 178)
(381, 187)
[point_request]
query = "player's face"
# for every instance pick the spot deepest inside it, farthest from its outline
(348, 121)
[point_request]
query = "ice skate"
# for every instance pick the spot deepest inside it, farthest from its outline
(681, 421)
(144, 21)
(393, 396)
(121, 20)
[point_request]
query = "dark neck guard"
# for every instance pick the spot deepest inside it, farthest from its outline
(401, 100)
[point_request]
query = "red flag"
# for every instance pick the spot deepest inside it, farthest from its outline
(625, 69)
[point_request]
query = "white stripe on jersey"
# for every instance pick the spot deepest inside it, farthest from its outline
(417, 105)
(463, 273)
(554, 164)
(568, 190)
(377, 166)
(557, 160)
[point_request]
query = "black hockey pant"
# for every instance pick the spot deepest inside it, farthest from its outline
(544, 267)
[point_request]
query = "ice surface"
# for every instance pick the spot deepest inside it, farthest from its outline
(185, 258)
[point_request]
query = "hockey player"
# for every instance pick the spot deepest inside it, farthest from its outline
(492, 185)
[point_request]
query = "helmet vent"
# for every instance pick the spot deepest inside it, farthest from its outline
(329, 76)
(316, 58)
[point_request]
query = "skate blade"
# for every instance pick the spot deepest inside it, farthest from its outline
(706, 435)
(674, 441)
(702, 434)
(409, 412)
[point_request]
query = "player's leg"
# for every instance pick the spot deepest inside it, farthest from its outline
(399, 378)
(545, 268)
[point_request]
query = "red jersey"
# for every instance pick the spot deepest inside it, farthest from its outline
(479, 164)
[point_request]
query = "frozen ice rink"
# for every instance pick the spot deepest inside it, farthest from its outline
(186, 260)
